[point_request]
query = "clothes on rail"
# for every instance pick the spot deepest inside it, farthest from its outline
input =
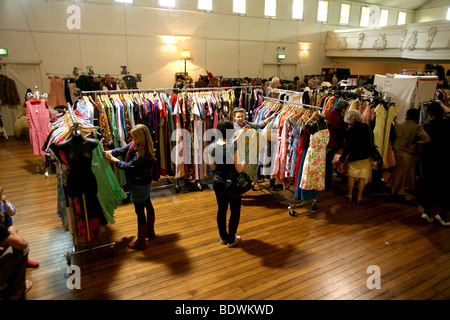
(84, 177)
(57, 94)
(296, 150)
(8, 91)
(163, 113)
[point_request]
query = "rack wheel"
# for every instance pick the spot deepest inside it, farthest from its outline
(111, 251)
(292, 213)
(68, 259)
(199, 186)
(314, 207)
(177, 189)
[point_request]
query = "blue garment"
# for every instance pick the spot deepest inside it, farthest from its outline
(307, 195)
(8, 220)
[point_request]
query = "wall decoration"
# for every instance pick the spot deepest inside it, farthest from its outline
(412, 41)
(402, 38)
(342, 44)
(360, 40)
(380, 42)
(431, 34)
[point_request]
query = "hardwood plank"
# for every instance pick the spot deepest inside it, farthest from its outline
(321, 255)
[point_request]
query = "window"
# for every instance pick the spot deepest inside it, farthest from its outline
(205, 5)
(345, 14)
(448, 13)
(167, 3)
(270, 8)
(297, 9)
(322, 11)
(365, 15)
(240, 6)
(384, 16)
(401, 18)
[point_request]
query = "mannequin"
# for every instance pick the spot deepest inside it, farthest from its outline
(78, 152)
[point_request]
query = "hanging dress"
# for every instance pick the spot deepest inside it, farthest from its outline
(38, 122)
(313, 177)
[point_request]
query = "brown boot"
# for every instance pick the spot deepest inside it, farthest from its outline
(140, 243)
(151, 227)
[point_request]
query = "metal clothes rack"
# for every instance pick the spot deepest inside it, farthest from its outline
(111, 245)
(178, 91)
(292, 206)
(170, 180)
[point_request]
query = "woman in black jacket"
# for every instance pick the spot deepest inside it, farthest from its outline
(357, 146)
(224, 159)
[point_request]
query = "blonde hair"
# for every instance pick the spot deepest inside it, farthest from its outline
(141, 133)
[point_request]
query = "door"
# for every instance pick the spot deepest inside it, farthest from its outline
(282, 71)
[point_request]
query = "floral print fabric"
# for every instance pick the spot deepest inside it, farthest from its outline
(313, 175)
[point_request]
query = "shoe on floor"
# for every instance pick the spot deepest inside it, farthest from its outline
(28, 285)
(442, 221)
(426, 218)
(223, 241)
(32, 264)
(237, 239)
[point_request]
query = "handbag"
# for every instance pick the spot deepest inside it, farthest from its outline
(238, 183)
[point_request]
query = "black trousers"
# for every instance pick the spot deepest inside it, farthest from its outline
(140, 208)
(223, 200)
(433, 188)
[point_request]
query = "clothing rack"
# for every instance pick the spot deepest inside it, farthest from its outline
(168, 90)
(111, 245)
(291, 206)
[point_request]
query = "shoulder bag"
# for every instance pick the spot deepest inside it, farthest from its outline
(238, 183)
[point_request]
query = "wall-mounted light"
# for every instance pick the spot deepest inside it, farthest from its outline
(185, 55)
(169, 42)
(3, 52)
(304, 48)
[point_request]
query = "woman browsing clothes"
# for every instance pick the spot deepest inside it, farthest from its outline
(357, 146)
(138, 165)
(224, 159)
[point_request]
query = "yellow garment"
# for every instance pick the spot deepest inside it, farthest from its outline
(381, 132)
(251, 152)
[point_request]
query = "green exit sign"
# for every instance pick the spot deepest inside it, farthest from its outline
(281, 56)
(3, 51)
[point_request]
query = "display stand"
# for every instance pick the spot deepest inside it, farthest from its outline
(292, 206)
(111, 245)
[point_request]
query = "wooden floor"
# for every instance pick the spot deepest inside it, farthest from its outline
(322, 255)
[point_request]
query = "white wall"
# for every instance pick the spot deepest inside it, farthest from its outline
(113, 35)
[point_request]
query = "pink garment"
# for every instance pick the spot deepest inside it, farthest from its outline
(39, 124)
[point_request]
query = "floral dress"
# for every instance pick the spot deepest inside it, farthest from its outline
(313, 174)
